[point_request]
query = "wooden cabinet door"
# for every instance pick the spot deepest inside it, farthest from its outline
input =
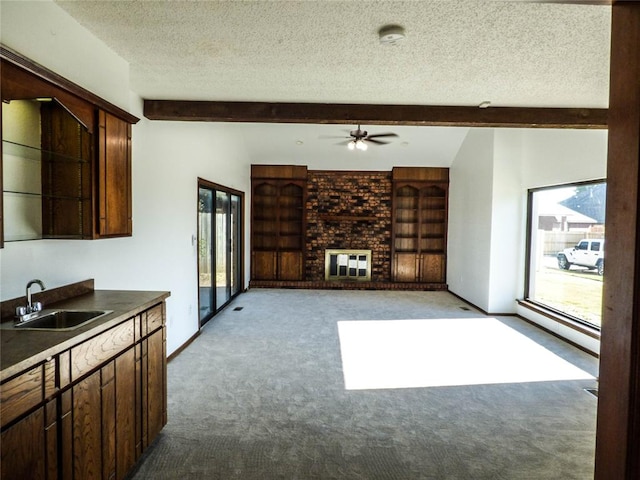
(290, 266)
(405, 267)
(23, 448)
(87, 428)
(126, 411)
(264, 266)
(66, 174)
(114, 176)
(432, 268)
(156, 407)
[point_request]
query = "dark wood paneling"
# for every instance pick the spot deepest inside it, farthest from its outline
(23, 449)
(431, 174)
(114, 176)
(66, 435)
(20, 84)
(432, 268)
(154, 319)
(51, 439)
(126, 412)
(420, 224)
(92, 353)
(405, 267)
(263, 265)
(298, 172)
(290, 265)
(139, 399)
(87, 428)
(156, 406)
(53, 85)
(618, 430)
(144, 391)
(278, 221)
(66, 174)
(263, 112)
(108, 425)
(20, 394)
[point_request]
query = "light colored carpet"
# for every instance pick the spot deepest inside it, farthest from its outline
(444, 352)
(261, 394)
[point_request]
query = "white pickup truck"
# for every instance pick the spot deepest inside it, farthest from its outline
(587, 253)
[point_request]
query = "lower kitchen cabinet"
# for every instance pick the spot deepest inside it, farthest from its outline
(100, 417)
(24, 450)
(156, 407)
(86, 413)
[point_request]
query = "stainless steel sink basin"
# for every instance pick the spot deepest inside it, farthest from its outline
(62, 319)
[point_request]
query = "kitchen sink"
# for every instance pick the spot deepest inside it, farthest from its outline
(62, 319)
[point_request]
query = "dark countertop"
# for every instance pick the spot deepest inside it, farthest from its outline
(21, 349)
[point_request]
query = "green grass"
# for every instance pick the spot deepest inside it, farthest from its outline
(576, 292)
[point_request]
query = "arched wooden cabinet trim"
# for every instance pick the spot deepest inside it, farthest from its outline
(419, 219)
(278, 222)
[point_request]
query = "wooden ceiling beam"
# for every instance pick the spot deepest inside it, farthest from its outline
(418, 115)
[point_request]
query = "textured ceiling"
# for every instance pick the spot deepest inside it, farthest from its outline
(456, 52)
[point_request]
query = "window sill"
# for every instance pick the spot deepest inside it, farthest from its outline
(561, 319)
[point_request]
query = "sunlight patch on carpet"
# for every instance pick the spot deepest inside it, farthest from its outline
(380, 354)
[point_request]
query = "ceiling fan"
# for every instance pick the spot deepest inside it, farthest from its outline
(359, 139)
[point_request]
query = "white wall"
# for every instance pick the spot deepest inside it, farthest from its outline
(553, 157)
(469, 236)
(46, 34)
(508, 213)
(490, 178)
(168, 158)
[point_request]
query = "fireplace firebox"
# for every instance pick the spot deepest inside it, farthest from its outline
(347, 265)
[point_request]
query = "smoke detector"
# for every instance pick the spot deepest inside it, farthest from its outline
(391, 34)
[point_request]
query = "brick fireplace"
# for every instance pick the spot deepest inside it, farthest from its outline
(348, 210)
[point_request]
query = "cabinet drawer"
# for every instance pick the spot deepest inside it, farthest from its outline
(21, 393)
(101, 348)
(154, 318)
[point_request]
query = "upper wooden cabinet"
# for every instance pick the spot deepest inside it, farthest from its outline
(69, 168)
(114, 176)
(278, 222)
(419, 237)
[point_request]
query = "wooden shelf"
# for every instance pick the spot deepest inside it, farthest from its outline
(278, 199)
(419, 224)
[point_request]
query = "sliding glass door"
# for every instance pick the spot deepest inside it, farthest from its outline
(219, 247)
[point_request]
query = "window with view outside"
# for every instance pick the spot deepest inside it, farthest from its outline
(566, 249)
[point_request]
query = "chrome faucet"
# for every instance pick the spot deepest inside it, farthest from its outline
(26, 313)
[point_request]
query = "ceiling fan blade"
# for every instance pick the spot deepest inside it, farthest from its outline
(383, 135)
(346, 142)
(376, 142)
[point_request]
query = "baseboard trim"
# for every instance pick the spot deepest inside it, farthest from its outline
(347, 285)
(182, 347)
(489, 314)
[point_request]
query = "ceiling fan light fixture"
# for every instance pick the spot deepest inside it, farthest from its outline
(351, 145)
